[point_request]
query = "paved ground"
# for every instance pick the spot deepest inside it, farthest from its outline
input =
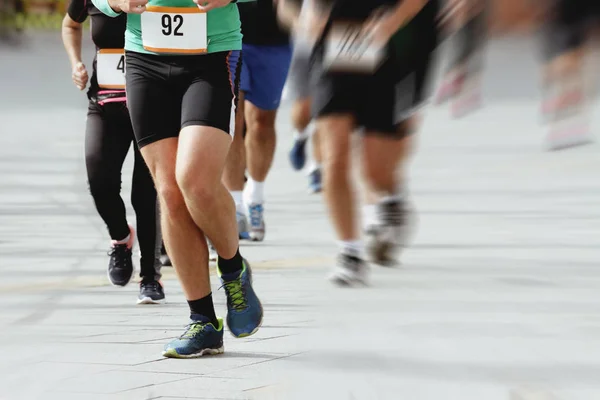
(497, 298)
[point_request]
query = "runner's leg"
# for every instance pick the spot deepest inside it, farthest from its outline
(144, 201)
(107, 142)
(264, 73)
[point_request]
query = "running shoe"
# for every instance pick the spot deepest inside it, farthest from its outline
(577, 134)
(199, 339)
(244, 311)
(257, 223)
(448, 89)
(243, 227)
(151, 292)
(349, 270)
(466, 103)
(385, 239)
(314, 181)
(298, 154)
(120, 265)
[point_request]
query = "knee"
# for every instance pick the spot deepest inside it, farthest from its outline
(261, 124)
(171, 199)
(301, 114)
(193, 186)
(336, 166)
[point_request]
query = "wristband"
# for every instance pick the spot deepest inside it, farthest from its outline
(105, 8)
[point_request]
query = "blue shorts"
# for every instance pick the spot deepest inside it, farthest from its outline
(264, 72)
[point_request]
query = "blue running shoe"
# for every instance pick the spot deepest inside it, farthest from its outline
(257, 223)
(314, 181)
(199, 339)
(242, 223)
(298, 154)
(244, 311)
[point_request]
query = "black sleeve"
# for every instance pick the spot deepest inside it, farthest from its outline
(78, 10)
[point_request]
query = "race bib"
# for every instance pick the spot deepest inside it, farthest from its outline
(110, 68)
(174, 30)
(348, 48)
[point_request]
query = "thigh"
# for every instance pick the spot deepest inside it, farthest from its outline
(268, 68)
(107, 140)
(209, 97)
(153, 99)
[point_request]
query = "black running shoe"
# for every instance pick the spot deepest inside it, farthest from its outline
(151, 293)
(120, 266)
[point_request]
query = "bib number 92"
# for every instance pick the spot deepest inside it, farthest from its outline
(174, 30)
(172, 24)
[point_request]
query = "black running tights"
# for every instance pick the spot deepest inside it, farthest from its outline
(109, 136)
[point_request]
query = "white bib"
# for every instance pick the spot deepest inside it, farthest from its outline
(110, 68)
(349, 49)
(174, 30)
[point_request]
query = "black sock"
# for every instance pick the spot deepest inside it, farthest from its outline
(232, 265)
(204, 307)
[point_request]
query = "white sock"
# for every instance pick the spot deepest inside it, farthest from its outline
(238, 199)
(306, 133)
(312, 167)
(123, 241)
(351, 247)
(254, 192)
(370, 215)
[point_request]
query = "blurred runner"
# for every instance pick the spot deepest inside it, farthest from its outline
(108, 137)
(299, 83)
(466, 19)
(372, 66)
(181, 93)
(266, 59)
(567, 34)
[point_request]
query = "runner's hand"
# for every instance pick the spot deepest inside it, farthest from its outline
(207, 5)
(311, 23)
(80, 76)
(128, 6)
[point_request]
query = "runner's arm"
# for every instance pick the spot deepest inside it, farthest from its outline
(406, 10)
(108, 7)
(288, 12)
(72, 30)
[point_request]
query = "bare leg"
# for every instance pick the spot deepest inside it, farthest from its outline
(200, 163)
(335, 136)
(184, 241)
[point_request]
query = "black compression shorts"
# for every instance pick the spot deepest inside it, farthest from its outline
(382, 101)
(167, 93)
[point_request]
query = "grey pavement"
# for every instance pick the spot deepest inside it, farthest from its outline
(497, 298)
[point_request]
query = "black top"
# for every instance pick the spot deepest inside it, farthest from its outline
(107, 33)
(260, 25)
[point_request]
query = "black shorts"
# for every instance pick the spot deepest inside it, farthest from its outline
(167, 93)
(568, 25)
(382, 101)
